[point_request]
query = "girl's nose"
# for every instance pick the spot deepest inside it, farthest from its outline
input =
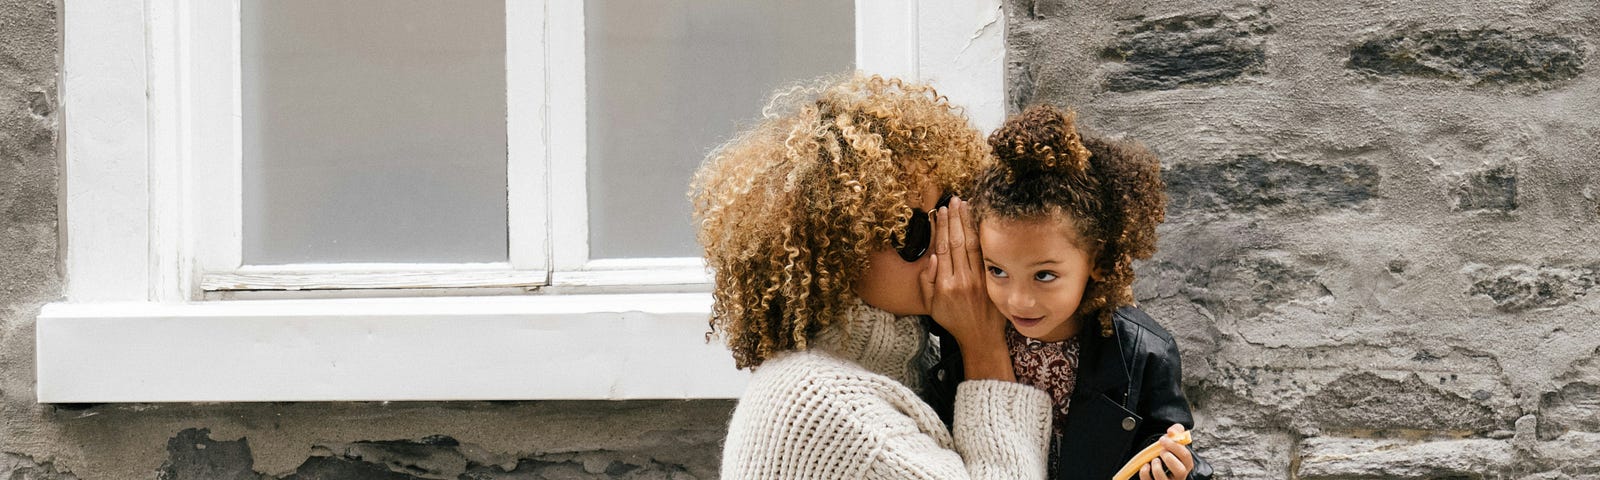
(1020, 301)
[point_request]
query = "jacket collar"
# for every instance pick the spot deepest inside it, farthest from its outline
(1101, 364)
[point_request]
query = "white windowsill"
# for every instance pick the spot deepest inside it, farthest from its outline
(639, 346)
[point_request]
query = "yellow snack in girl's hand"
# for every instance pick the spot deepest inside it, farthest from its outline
(1148, 455)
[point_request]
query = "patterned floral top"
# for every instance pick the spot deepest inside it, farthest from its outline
(1049, 366)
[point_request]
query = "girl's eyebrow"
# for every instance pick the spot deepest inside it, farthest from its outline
(1034, 264)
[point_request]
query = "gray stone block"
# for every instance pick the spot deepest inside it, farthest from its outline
(1472, 56)
(1361, 458)
(193, 455)
(1168, 52)
(1571, 455)
(1493, 189)
(1517, 288)
(1576, 406)
(1250, 183)
(1363, 400)
(22, 467)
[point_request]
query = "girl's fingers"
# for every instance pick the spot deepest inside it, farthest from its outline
(1157, 467)
(1178, 469)
(1144, 472)
(1180, 452)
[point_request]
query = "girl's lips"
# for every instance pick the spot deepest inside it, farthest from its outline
(1025, 322)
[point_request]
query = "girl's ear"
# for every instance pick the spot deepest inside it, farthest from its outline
(1097, 274)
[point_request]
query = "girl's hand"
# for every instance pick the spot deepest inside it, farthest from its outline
(958, 299)
(1176, 459)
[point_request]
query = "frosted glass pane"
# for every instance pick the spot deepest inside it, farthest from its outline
(669, 80)
(374, 131)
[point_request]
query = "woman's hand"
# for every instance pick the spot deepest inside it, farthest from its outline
(958, 299)
(1177, 459)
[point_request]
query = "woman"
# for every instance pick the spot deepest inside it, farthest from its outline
(833, 227)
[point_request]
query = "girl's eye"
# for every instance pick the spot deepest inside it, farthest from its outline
(1044, 276)
(997, 272)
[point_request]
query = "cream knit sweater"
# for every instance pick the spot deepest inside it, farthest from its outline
(846, 409)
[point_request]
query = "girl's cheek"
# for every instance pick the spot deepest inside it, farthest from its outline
(995, 290)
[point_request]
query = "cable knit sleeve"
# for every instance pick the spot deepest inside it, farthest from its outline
(810, 416)
(1001, 432)
(1002, 429)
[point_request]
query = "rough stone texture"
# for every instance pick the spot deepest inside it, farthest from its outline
(1494, 189)
(1487, 55)
(1171, 51)
(1569, 456)
(28, 274)
(1252, 183)
(1384, 232)
(1339, 458)
(193, 455)
(19, 467)
(1366, 261)
(1521, 287)
(1576, 406)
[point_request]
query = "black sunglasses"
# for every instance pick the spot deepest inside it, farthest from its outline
(919, 232)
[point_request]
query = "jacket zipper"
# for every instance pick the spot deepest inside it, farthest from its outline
(1055, 454)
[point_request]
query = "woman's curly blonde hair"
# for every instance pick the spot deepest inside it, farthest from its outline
(1111, 190)
(789, 210)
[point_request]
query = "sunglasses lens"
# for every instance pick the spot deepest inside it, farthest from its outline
(918, 234)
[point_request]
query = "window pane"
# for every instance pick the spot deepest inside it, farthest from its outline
(374, 131)
(669, 80)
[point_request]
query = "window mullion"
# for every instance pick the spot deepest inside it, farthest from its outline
(568, 135)
(527, 134)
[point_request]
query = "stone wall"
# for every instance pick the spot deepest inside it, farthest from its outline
(1381, 259)
(263, 441)
(1382, 253)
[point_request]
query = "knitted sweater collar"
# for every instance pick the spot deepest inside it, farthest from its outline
(895, 347)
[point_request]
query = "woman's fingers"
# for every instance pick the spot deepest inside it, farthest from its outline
(1144, 472)
(952, 245)
(966, 263)
(969, 224)
(941, 245)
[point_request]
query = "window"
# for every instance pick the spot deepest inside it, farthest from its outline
(310, 200)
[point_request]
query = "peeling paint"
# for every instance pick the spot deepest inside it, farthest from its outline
(989, 27)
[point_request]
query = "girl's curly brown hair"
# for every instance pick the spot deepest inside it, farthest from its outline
(789, 210)
(1111, 190)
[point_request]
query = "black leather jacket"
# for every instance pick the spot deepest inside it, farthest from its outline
(1129, 391)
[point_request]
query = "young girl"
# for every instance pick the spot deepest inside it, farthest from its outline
(1061, 218)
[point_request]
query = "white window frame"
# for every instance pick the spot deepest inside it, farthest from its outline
(150, 229)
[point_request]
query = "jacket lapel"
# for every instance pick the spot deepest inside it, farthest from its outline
(1099, 407)
(1101, 367)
